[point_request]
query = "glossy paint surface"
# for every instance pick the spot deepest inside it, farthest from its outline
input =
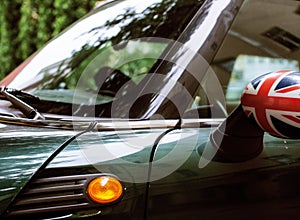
(23, 150)
(267, 184)
(125, 153)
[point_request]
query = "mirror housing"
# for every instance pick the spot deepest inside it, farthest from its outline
(269, 103)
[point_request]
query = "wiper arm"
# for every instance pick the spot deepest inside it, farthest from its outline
(20, 94)
(26, 109)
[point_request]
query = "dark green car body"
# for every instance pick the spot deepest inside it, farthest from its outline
(173, 74)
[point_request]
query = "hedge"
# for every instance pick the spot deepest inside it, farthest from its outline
(27, 24)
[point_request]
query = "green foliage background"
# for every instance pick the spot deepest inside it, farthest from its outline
(25, 25)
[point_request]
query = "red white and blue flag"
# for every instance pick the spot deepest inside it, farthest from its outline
(273, 100)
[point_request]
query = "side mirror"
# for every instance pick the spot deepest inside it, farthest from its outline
(270, 103)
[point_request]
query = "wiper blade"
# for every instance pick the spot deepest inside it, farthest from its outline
(25, 108)
(20, 94)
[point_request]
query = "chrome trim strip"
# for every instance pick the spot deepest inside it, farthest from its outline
(110, 124)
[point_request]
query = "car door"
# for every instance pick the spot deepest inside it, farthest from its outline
(188, 183)
(187, 179)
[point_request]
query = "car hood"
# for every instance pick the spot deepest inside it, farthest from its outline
(23, 150)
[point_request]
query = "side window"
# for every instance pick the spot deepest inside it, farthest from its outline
(264, 37)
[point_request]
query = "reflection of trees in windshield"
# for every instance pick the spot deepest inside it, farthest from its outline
(164, 19)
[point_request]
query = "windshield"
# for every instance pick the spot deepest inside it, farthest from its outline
(118, 43)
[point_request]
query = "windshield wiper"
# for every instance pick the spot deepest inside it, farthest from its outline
(20, 94)
(13, 95)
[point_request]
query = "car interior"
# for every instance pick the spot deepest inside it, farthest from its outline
(264, 37)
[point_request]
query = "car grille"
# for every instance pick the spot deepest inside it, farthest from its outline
(53, 194)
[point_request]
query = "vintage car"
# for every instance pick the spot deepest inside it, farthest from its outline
(157, 109)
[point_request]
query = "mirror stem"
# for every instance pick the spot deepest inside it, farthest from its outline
(237, 138)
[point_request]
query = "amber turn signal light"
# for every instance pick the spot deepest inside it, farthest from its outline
(105, 189)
